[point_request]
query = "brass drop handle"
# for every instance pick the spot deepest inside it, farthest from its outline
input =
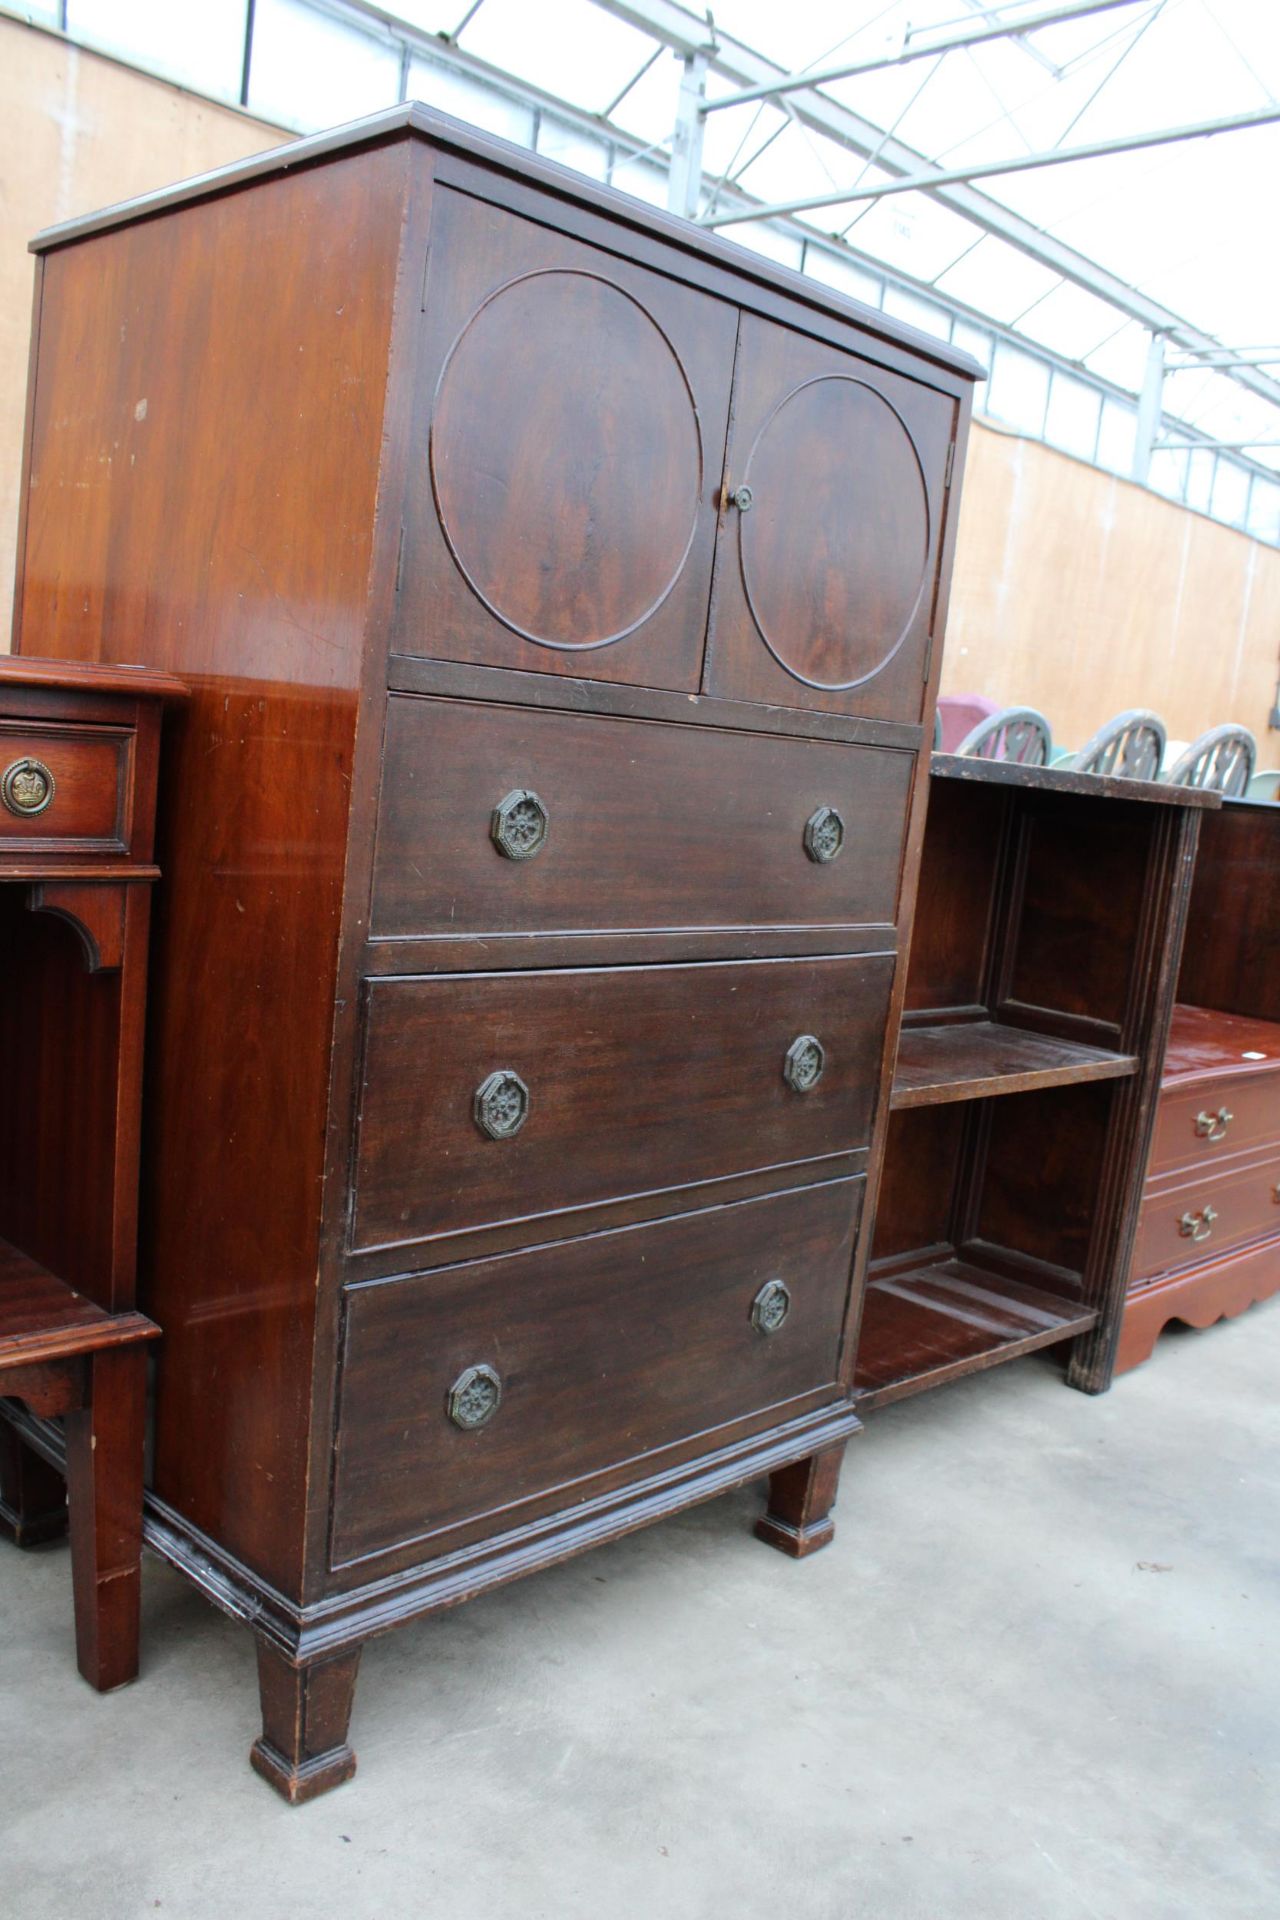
(26, 787)
(743, 499)
(1212, 1126)
(1198, 1226)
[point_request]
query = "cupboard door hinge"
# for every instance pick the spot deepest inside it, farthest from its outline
(951, 461)
(400, 562)
(426, 262)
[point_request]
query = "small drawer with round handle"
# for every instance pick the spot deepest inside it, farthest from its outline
(1199, 1219)
(495, 823)
(511, 1383)
(65, 787)
(532, 1093)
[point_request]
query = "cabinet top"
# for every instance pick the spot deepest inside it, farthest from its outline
(89, 676)
(443, 131)
(1094, 786)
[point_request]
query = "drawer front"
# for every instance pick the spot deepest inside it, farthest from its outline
(625, 824)
(1206, 1216)
(63, 786)
(597, 1351)
(636, 1080)
(1220, 1117)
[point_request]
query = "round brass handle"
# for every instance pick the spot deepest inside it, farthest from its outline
(1198, 1226)
(501, 1104)
(474, 1398)
(803, 1064)
(743, 499)
(771, 1306)
(1212, 1126)
(519, 825)
(26, 787)
(823, 835)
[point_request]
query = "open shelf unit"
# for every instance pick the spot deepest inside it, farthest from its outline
(1038, 990)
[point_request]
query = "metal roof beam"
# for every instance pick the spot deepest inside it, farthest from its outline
(930, 177)
(969, 37)
(676, 26)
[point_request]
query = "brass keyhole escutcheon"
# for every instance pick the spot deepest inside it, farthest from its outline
(26, 787)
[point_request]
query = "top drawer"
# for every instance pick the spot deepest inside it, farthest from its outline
(627, 825)
(1219, 1117)
(64, 787)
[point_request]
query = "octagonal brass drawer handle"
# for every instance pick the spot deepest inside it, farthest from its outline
(474, 1398)
(1198, 1226)
(27, 787)
(804, 1062)
(501, 1104)
(519, 825)
(1213, 1126)
(771, 1306)
(823, 835)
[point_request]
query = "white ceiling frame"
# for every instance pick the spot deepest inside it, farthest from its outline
(688, 33)
(982, 30)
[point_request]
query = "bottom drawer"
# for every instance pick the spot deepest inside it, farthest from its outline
(1202, 1218)
(595, 1351)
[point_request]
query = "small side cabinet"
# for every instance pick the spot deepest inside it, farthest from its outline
(1209, 1239)
(78, 762)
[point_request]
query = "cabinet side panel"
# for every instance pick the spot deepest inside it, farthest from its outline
(202, 480)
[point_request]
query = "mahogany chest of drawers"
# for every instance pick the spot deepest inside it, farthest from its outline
(561, 592)
(1208, 1241)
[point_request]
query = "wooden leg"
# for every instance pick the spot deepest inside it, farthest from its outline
(305, 1714)
(33, 1496)
(798, 1519)
(104, 1493)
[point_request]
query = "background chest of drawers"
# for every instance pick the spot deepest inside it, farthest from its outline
(561, 593)
(1209, 1236)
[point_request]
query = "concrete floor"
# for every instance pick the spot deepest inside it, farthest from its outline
(1036, 1676)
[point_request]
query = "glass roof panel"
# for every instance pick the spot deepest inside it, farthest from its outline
(568, 47)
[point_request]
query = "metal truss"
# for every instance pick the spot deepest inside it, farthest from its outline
(931, 177)
(981, 30)
(691, 35)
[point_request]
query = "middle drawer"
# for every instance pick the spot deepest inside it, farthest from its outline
(491, 1098)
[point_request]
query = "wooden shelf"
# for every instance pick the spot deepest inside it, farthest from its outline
(43, 1319)
(975, 1059)
(934, 1322)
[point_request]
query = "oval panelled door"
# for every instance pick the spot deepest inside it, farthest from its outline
(566, 461)
(829, 547)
